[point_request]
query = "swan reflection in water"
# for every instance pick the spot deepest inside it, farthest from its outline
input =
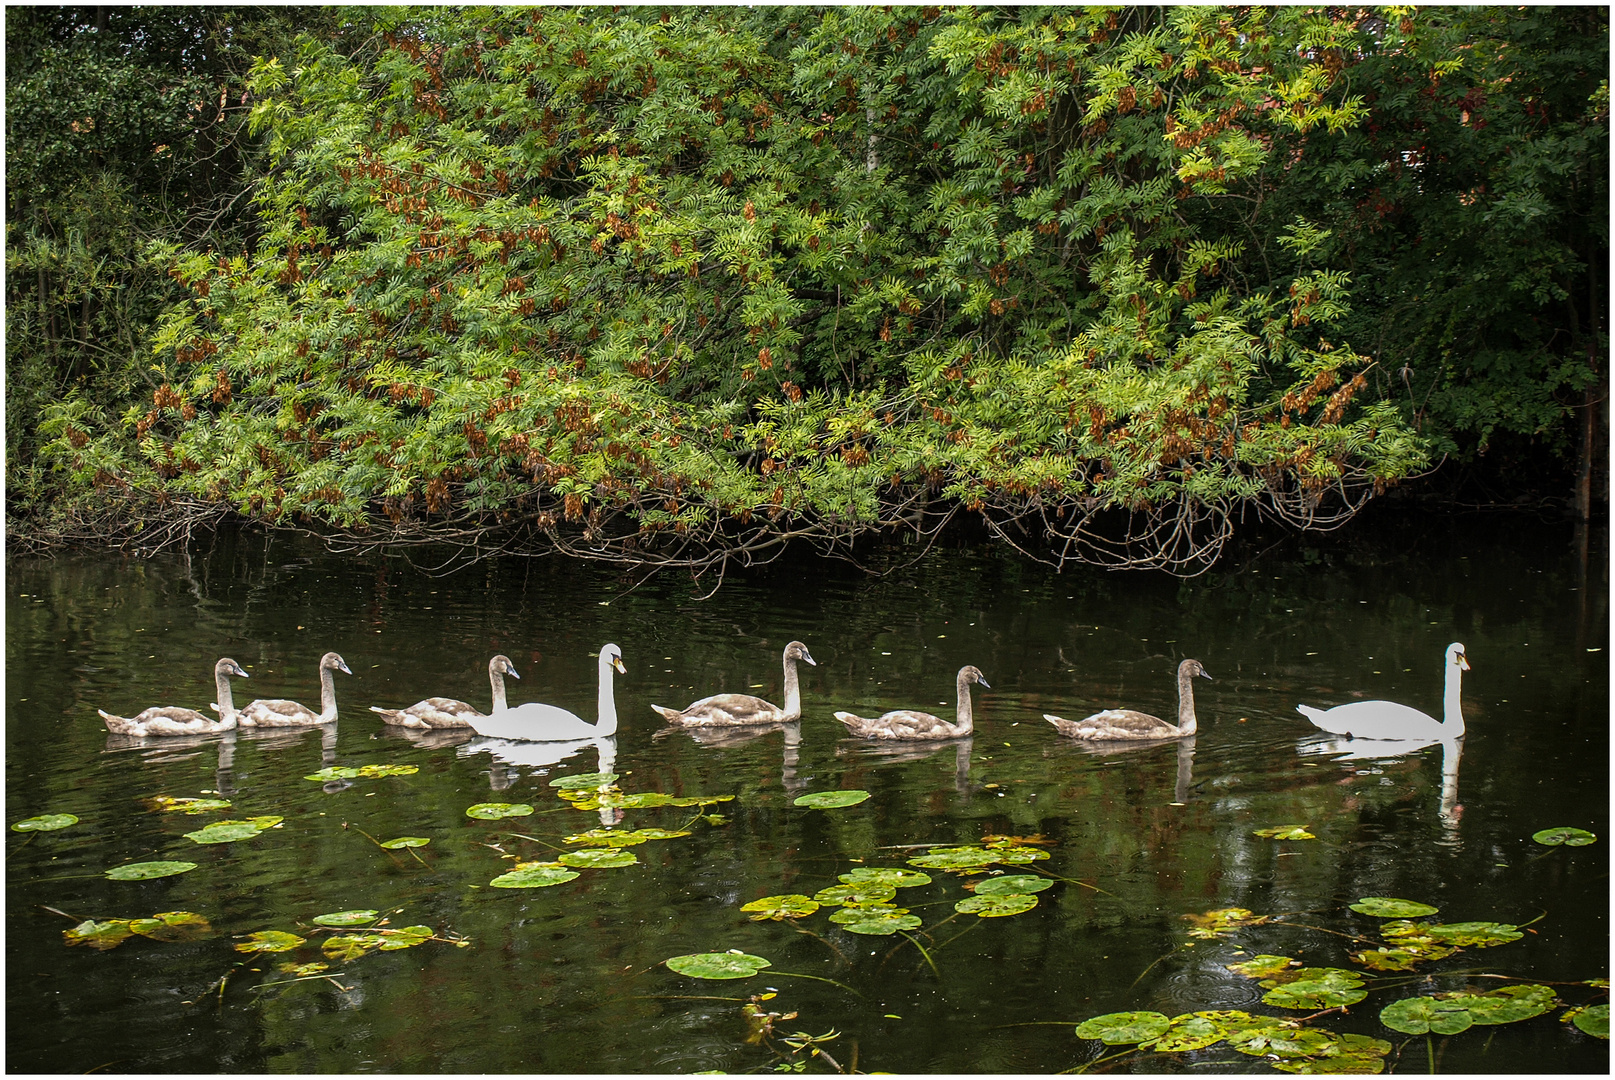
(1347, 749)
(894, 752)
(732, 736)
(510, 756)
(180, 748)
(1185, 757)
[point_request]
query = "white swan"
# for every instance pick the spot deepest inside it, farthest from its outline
(174, 720)
(439, 712)
(721, 710)
(536, 722)
(913, 724)
(280, 712)
(1389, 720)
(1118, 724)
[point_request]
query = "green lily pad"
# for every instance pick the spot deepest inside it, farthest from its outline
(895, 876)
(1280, 1040)
(623, 837)
(1388, 907)
(405, 937)
(1481, 935)
(1344, 1054)
(1286, 832)
(534, 876)
(145, 871)
(996, 905)
(1013, 883)
(304, 970)
(99, 935)
(1016, 855)
(1592, 1019)
(356, 917)
(831, 800)
(1122, 1028)
(866, 892)
(733, 964)
(1565, 835)
(1223, 921)
(45, 823)
(1313, 974)
(1400, 959)
(1419, 1015)
(1506, 1004)
(493, 811)
(876, 921)
(1264, 966)
(1313, 994)
(1189, 1032)
(172, 926)
(365, 772)
(269, 941)
(345, 947)
(598, 858)
(228, 832)
(186, 806)
(406, 842)
(585, 780)
(959, 858)
(788, 906)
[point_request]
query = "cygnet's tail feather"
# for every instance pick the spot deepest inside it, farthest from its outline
(673, 715)
(116, 719)
(853, 721)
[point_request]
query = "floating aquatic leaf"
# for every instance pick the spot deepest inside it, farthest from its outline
(895, 876)
(365, 772)
(996, 904)
(789, 906)
(145, 871)
(1419, 1015)
(303, 970)
(45, 823)
(623, 837)
(1122, 1028)
(406, 842)
(172, 926)
(852, 913)
(186, 806)
(99, 935)
(1592, 1019)
(733, 964)
(405, 937)
(831, 800)
(1280, 1040)
(1388, 907)
(1313, 974)
(493, 811)
(1013, 883)
(877, 921)
(959, 858)
(1016, 855)
(1506, 1004)
(598, 858)
(356, 917)
(228, 832)
(1480, 935)
(1222, 921)
(269, 941)
(1286, 832)
(345, 947)
(1401, 959)
(1564, 834)
(585, 780)
(863, 892)
(1264, 966)
(1189, 1032)
(1314, 994)
(534, 876)
(1345, 1054)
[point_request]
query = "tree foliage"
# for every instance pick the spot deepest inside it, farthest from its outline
(676, 285)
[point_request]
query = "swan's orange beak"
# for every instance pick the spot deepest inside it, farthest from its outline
(1463, 662)
(616, 662)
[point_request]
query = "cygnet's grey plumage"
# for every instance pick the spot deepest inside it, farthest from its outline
(1115, 725)
(537, 722)
(1389, 720)
(281, 712)
(913, 724)
(726, 710)
(440, 712)
(174, 720)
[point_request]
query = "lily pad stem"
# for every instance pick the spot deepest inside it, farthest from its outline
(536, 840)
(373, 840)
(817, 978)
(1098, 1061)
(827, 942)
(925, 954)
(1157, 960)
(1324, 930)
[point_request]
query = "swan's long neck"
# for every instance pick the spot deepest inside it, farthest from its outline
(1187, 724)
(608, 701)
(221, 686)
(496, 679)
(793, 689)
(327, 694)
(966, 721)
(1452, 713)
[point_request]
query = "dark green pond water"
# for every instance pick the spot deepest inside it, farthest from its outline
(570, 978)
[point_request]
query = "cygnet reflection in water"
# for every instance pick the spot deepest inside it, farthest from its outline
(1182, 785)
(181, 748)
(427, 738)
(885, 752)
(731, 737)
